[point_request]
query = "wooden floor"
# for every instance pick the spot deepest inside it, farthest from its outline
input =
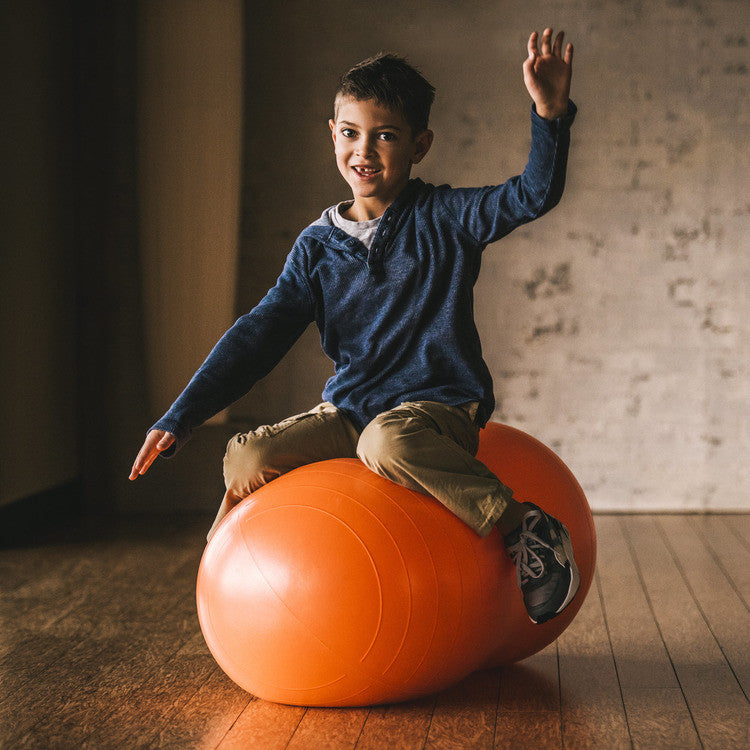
(100, 647)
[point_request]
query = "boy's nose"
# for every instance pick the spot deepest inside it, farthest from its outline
(365, 147)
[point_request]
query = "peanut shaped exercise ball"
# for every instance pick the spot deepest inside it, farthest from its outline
(332, 586)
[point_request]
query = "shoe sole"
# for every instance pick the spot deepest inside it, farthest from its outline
(575, 577)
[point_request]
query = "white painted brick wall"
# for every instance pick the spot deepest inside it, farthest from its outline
(617, 327)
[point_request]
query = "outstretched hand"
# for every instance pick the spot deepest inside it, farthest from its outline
(547, 74)
(156, 442)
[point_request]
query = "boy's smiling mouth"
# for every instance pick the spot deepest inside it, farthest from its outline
(364, 171)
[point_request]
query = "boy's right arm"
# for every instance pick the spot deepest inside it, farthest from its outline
(249, 350)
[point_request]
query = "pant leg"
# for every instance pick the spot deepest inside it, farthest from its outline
(431, 448)
(257, 457)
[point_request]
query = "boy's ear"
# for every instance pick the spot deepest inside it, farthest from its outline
(422, 145)
(332, 126)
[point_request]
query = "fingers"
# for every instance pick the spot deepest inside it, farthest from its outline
(532, 45)
(546, 37)
(166, 441)
(568, 59)
(143, 459)
(557, 46)
(148, 459)
(548, 47)
(156, 442)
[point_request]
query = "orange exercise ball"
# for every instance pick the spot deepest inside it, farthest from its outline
(332, 586)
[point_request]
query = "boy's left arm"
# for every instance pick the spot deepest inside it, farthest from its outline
(490, 213)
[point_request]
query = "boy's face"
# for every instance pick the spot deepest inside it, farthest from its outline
(375, 149)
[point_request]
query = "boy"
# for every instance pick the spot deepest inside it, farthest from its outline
(388, 278)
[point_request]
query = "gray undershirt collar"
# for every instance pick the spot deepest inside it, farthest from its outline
(364, 231)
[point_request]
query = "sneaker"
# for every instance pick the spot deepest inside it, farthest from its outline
(545, 570)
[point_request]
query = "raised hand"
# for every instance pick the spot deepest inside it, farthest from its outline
(547, 74)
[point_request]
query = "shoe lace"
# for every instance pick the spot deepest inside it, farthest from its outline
(527, 552)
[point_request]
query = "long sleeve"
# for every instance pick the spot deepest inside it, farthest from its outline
(248, 351)
(489, 213)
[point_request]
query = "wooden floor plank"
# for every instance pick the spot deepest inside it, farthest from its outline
(465, 714)
(718, 600)
(85, 641)
(81, 722)
(126, 665)
(126, 592)
(657, 713)
(401, 726)
(740, 526)
(685, 633)
(532, 684)
(32, 723)
(207, 717)
(641, 657)
(161, 692)
(40, 598)
(710, 688)
(35, 567)
(528, 713)
(717, 532)
(593, 714)
(525, 729)
(659, 718)
(329, 729)
(100, 647)
(263, 726)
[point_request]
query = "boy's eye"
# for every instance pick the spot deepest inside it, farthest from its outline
(385, 135)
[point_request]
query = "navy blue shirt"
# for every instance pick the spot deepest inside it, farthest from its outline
(397, 320)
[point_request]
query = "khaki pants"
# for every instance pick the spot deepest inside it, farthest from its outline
(423, 445)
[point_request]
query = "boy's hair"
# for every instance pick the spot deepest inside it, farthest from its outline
(394, 84)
